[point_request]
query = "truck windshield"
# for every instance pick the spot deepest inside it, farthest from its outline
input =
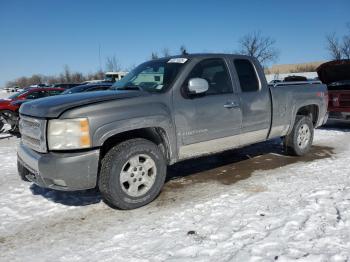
(153, 76)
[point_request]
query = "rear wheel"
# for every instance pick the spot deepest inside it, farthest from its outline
(132, 174)
(299, 141)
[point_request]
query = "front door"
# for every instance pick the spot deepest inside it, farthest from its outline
(212, 121)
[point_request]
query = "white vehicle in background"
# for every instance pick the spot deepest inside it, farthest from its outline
(114, 76)
(12, 89)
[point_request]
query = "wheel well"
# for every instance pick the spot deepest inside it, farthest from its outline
(156, 135)
(310, 111)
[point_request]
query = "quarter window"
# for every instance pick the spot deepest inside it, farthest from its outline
(215, 72)
(247, 76)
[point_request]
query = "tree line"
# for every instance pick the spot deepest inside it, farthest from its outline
(67, 76)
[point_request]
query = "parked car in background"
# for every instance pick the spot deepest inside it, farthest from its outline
(38, 85)
(12, 89)
(66, 85)
(114, 76)
(164, 111)
(88, 88)
(336, 75)
(9, 106)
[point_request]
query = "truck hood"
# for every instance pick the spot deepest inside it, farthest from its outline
(53, 107)
(334, 71)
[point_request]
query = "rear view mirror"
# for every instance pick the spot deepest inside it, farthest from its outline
(198, 86)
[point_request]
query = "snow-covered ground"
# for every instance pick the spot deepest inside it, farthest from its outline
(4, 94)
(253, 204)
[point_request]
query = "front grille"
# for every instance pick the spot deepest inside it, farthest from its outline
(33, 133)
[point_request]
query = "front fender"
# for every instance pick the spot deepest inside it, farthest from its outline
(117, 127)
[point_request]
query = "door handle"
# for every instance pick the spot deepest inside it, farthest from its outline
(231, 105)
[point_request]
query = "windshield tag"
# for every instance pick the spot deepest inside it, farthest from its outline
(179, 60)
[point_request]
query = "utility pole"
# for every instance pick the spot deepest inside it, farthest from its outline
(99, 56)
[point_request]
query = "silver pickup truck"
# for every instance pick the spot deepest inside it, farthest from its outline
(162, 112)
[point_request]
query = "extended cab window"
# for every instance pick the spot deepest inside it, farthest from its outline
(247, 76)
(215, 72)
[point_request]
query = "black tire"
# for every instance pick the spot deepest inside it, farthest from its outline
(22, 171)
(112, 163)
(291, 144)
(1, 125)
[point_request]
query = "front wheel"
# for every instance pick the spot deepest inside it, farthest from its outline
(299, 141)
(132, 174)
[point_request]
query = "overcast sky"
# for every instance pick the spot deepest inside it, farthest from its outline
(43, 36)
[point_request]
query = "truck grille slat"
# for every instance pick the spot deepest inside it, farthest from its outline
(344, 100)
(33, 133)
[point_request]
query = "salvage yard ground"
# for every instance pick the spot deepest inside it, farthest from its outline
(251, 204)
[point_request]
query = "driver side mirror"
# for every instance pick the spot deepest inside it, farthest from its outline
(197, 86)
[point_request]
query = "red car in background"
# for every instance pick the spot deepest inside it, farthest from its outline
(9, 106)
(336, 75)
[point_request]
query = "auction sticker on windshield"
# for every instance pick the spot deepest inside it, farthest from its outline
(179, 60)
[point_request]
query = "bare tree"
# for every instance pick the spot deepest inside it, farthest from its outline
(112, 64)
(166, 52)
(77, 77)
(183, 49)
(36, 79)
(345, 49)
(95, 76)
(334, 47)
(259, 46)
(67, 74)
(339, 49)
(154, 56)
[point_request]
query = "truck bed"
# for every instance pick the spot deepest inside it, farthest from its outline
(288, 98)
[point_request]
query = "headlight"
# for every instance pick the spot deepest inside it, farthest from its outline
(66, 134)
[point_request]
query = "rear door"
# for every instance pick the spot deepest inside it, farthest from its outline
(209, 122)
(255, 102)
